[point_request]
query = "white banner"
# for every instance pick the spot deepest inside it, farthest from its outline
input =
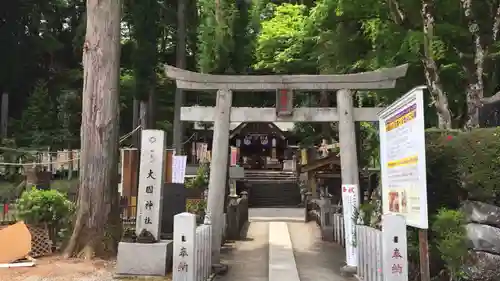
(350, 204)
(179, 168)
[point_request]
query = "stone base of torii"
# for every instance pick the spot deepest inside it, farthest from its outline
(223, 114)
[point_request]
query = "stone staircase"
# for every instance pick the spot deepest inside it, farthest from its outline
(272, 188)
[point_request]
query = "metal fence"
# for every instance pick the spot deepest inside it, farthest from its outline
(369, 244)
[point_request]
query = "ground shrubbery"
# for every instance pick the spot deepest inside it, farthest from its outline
(46, 207)
(460, 166)
(463, 165)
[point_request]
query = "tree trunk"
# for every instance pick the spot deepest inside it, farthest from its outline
(4, 116)
(475, 89)
(98, 227)
(180, 63)
(431, 70)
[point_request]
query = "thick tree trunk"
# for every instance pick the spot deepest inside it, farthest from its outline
(431, 70)
(97, 219)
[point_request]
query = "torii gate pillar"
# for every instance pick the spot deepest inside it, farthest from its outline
(218, 170)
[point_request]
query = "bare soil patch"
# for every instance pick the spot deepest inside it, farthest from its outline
(56, 268)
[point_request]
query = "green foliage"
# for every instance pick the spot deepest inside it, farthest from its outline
(145, 15)
(365, 213)
(451, 240)
(215, 35)
(478, 153)
(36, 126)
(461, 165)
(443, 183)
(201, 178)
(196, 206)
(44, 206)
(279, 44)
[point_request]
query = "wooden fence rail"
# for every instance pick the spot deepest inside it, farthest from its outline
(338, 229)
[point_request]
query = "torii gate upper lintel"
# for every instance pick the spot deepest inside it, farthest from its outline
(384, 78)
(223, 113)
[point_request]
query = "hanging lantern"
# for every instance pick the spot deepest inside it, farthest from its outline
(238, 142)
(264, 140)
(273, 142)
(247, 141)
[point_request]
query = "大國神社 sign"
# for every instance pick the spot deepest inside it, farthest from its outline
(149, 202)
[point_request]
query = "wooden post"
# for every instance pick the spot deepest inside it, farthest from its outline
(311, 179)
(218, 170)
(348, 155)
(168, 165)
(423, 242)
(4, 117)
(69, 158)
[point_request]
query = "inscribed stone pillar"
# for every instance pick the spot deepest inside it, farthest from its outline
(349, 171)
(149, 202)
(219, 170)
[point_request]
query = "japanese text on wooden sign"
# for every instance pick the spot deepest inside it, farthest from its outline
(149, 203)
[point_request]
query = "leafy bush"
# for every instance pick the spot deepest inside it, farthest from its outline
(462, 165)
(450, 240)
(196, 206)
(478, 157)
(443, 181)
(49, 207)
(201, 178)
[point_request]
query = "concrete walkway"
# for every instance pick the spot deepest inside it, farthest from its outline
(280, 246)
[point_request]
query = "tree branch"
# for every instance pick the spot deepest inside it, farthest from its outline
(396, 11)
(490, 100)
(496, 24)
(431, 70)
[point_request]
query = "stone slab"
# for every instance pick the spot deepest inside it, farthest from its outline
(479, 212)
(144, 259)
(282, 264)
(483, 238)
(174, 202)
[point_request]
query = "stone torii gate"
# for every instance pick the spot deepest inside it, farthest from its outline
(223, 114)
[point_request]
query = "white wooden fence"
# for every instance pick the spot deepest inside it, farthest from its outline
(338, 229)
(369, 243)
(192, 260)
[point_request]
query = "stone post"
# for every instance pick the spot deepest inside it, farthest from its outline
(348, 159)
(218, 170)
